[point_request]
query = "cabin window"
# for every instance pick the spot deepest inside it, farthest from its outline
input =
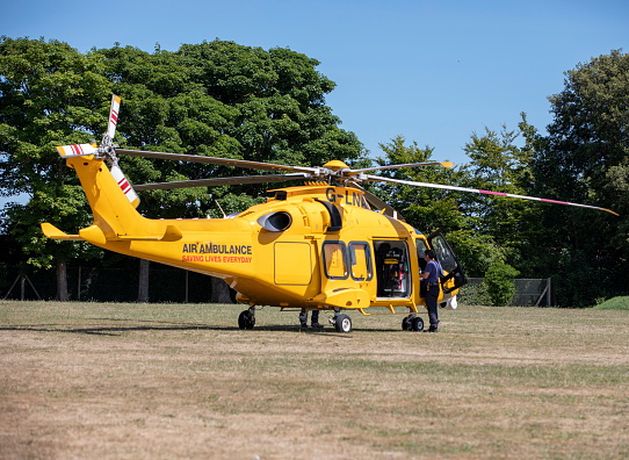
(392, 268)
(360, 260)
(334, 257)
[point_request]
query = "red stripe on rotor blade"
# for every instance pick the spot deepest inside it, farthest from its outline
(114, 118)
(75, 149)
(490, 192)
(124, 184)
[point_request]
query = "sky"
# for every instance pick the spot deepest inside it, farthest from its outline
(432, 71)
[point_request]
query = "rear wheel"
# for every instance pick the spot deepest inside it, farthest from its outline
(246, 320)
(343, 324)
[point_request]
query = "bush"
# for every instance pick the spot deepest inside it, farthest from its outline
(615, 303)
(498, 283)
(474, 294)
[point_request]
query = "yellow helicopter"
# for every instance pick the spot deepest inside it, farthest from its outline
(326, 245)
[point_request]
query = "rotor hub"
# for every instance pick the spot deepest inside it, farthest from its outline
(335, 165)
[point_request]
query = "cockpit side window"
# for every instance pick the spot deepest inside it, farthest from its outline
(443, 253)
(421, 250)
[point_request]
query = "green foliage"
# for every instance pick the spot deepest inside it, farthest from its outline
(497, 163)
(615, 303)
(585, 158)
(475, 251)
(474, 294)
(498, 283)
(49, 94)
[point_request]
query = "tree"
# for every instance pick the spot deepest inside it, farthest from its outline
(215, 98)
(497, 163)
(49, 94)
(585, 158)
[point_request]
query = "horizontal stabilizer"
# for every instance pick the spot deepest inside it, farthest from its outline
(76, 150)
(54, 233)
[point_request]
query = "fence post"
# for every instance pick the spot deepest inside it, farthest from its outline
(78, 287)
(186, 300)
(143, 281)
(22, 287)
(548, 297)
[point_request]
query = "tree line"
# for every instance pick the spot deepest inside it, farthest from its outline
(223, 99)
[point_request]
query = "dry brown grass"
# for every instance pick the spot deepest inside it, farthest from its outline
(164, 381)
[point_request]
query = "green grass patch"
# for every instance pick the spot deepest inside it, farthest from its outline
(615, 303)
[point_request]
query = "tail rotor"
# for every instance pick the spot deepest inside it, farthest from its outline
(108, 138)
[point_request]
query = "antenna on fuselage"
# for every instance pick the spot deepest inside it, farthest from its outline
(220, 207)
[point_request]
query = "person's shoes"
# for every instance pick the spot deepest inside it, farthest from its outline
(431, 329)
(316, 326)
(303, 326)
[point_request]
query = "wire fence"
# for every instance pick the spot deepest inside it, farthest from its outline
(108, 284)
(529, 292)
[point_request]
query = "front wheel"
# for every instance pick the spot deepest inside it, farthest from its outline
(406, 322)
(343, 324)
(417, 324)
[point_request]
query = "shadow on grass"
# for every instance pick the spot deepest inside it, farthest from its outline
(162, 326)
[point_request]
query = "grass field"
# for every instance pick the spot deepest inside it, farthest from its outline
(161, 381)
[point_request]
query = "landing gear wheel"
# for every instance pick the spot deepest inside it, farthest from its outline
(406, 322)
(246, 320)
(417, 324)
(343, 323)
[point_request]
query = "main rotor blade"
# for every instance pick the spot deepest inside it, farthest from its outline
(217, 161)
(485, 192)
(445, 164)
(217, 181)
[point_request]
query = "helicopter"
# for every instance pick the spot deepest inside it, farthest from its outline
(326, 244)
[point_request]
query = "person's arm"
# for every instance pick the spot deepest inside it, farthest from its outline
(428, 270)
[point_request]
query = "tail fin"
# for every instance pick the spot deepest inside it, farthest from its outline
(109, 193)
(113, 203)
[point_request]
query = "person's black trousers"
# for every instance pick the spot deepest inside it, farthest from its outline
(431, 303)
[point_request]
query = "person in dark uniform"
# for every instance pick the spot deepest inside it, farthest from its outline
(431, 275)
(314, 319)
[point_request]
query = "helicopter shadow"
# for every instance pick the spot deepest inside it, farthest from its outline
(169, 326)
